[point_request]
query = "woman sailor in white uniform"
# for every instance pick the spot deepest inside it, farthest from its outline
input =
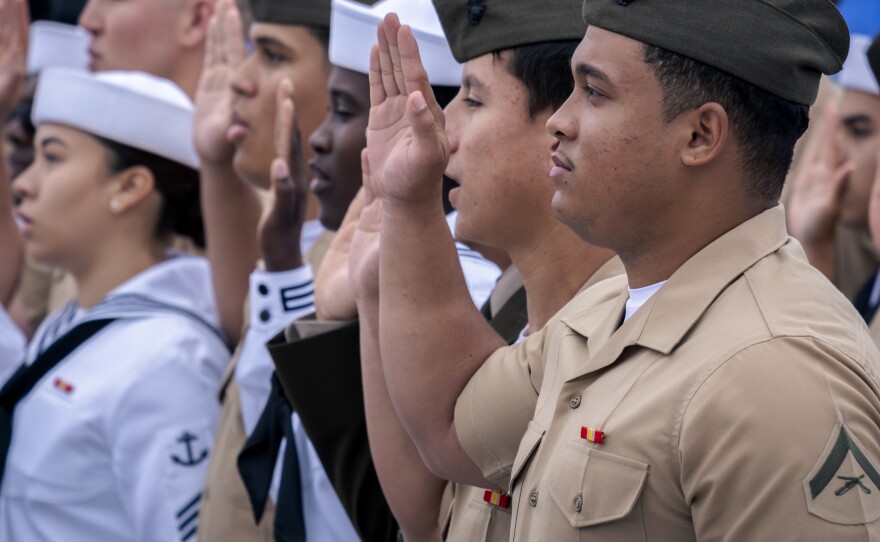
(107, 426)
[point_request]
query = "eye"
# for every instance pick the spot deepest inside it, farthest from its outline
(470, 102)
(272, 57)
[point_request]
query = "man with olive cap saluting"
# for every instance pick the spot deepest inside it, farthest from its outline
(725, 389)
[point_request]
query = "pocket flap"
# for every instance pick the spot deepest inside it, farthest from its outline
(526, 450)
(591, 486)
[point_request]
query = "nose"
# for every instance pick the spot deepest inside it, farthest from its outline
(24, 186)
(321, 140)
(561, 124)
(89, 18)
(243, 82)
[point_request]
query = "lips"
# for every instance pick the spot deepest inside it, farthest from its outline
(561, 165)
(238, 129)
(94, 58)
(321, 183)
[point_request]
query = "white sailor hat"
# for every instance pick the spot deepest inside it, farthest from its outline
(353, 33)
(132, 108)
(857, 74)
(57, 45)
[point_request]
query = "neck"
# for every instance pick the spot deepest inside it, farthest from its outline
(655, 259)
(98, 277)
(554, 269)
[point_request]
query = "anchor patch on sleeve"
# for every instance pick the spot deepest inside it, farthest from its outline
(844, 485)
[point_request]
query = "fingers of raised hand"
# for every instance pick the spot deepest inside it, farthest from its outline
(284, 111)
(414, 73)
(391, 32)
(377, 85)
(828, 151)
(235, 50)
(386, 64)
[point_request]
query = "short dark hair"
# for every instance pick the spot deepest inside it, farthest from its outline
(765, 126)
(177, 184)
(545, 70)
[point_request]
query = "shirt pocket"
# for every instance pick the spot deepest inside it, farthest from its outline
(592, 488)
(475, 520)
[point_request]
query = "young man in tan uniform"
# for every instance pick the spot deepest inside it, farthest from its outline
(725, 389)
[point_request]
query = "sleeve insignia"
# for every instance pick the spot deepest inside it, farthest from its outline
(844, 485)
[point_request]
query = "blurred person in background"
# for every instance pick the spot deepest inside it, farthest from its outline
(108, 422)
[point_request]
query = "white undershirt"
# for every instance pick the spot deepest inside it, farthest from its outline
(640, 296)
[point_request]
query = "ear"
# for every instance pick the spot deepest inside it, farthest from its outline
(130, 189)
(195, 23)
(710, 130)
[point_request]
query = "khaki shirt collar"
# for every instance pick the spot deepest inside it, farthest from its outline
(668, 316)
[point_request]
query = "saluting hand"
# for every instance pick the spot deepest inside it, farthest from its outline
(13, 52)
(406, 141)
(815, 204)
(213, 115)
(283, 216)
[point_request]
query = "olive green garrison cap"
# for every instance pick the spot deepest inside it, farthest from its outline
(292, 12)
(477, 27)
(874, 57)
(781, 46)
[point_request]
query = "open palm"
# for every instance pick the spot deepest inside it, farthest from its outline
(213, 114)
(406, 142)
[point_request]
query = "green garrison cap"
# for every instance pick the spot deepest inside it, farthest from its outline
(292, 12)
(781, 46)
(874, 57)
(477, 27)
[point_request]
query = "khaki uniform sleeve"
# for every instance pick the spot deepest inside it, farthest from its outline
(493, 411)
(782, 442)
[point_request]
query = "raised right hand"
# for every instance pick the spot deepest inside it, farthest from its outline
(213, 115)
(406, 142)
(814, 207)
(13, 52)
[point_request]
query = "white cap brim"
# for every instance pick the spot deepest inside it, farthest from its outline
(132, 108)
(857, 73)
(353, 33)
(57, 45)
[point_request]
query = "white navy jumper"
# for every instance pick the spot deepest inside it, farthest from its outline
(112, 443)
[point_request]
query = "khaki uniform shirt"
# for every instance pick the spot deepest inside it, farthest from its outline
(478, 514)
(741, 402)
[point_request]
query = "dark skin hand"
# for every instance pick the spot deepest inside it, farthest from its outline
(282, 220)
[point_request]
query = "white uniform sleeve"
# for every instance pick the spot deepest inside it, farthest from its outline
(277, 299)
(480, 274)
(162, 432)
(12, 346)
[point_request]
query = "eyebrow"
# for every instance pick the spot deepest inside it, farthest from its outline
(858, 118)
(471, 81)
(268, 41)
(50, 140)
(588, 70)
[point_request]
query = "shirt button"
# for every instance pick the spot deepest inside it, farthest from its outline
(533, 498)
(264, 316)
(575, 400)
(578, 503)
(263, 289)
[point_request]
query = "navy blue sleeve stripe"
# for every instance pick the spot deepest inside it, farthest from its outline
(191, 519)
(189, 505)
(191, 533)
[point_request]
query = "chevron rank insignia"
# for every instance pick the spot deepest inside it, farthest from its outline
(844, 485)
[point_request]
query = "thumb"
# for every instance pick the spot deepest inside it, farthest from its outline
(420, 117)
(280, 174)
